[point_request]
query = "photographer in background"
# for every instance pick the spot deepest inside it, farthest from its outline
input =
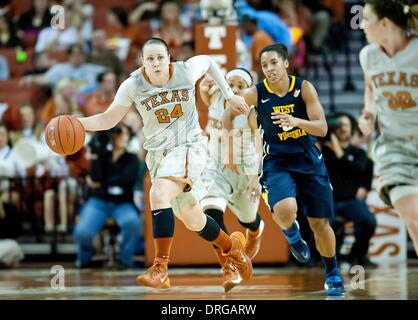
(351, 174)
(111, 179)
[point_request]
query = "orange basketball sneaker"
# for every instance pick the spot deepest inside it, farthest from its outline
(231, 276)
(253, 241)
(237, 256)
(156, 276)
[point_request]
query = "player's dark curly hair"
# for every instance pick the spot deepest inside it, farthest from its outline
(403, 13)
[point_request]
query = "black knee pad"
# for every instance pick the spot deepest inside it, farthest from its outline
(253, 226)
(218, 216)
(163, 223)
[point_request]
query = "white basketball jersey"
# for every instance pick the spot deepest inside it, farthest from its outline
(243, 144)
(395, 88)
(169, 113)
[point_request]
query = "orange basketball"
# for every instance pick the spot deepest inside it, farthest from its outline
(65, 135)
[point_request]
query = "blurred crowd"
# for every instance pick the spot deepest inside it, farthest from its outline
(46, 71)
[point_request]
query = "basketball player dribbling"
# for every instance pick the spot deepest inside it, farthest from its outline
(234, 184)
(164, 95)
(294, 175)
(390, 65)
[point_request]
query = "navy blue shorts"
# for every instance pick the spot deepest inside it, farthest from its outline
(313, 192)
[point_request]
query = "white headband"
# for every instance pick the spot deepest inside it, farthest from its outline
(240, 73)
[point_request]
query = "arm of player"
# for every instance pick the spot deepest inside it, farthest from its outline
(250, 97)
(206, 90)
(254, 188)
(316, 125)
(117, 110)
(105, 120)
(368, 117)
(199, 65)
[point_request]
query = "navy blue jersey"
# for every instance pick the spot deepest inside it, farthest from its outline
(294, 148)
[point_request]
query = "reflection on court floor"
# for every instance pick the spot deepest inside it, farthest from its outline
(398, 281)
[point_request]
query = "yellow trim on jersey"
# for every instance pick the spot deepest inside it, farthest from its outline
(292, 84)
(265, 196)
(291, 87)
(267, 86)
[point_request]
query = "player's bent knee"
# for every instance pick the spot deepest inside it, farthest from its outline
(182, 204)
(159, 197)
(319, 225)
(286, 209)
(192, 221)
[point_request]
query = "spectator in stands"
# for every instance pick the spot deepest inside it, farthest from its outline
(83, 13)
(262, 5)
(40, 64)
(101, 55)
(63, 101)
(10, 228)
(31, 22)
(111, 180)
(8, 36)
(171, 28)
(143, 11)
(53, 173)
(10, 219)
(44, 169)
(29, 128)
(78, 29)
(351, 173)
(103, 97)
(4, 68)
(320, 23)
(9, 168)
(84, 74)
(134, 121)
(255, 39)
(267, 21)
(288, 12)
(69, 191)
(186, 51)
(120, 34)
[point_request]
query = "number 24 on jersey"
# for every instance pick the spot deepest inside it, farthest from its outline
(163, 115)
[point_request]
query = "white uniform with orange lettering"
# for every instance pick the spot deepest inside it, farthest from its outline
(395, 92)
(173, 138)
(227, 187)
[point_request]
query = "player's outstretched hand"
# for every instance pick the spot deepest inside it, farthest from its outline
(238, 104)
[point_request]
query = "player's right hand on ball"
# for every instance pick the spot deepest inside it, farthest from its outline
(238, 104)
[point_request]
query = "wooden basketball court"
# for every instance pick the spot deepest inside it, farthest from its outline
(395, 282)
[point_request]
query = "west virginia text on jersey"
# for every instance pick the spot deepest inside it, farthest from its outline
(282, 140)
